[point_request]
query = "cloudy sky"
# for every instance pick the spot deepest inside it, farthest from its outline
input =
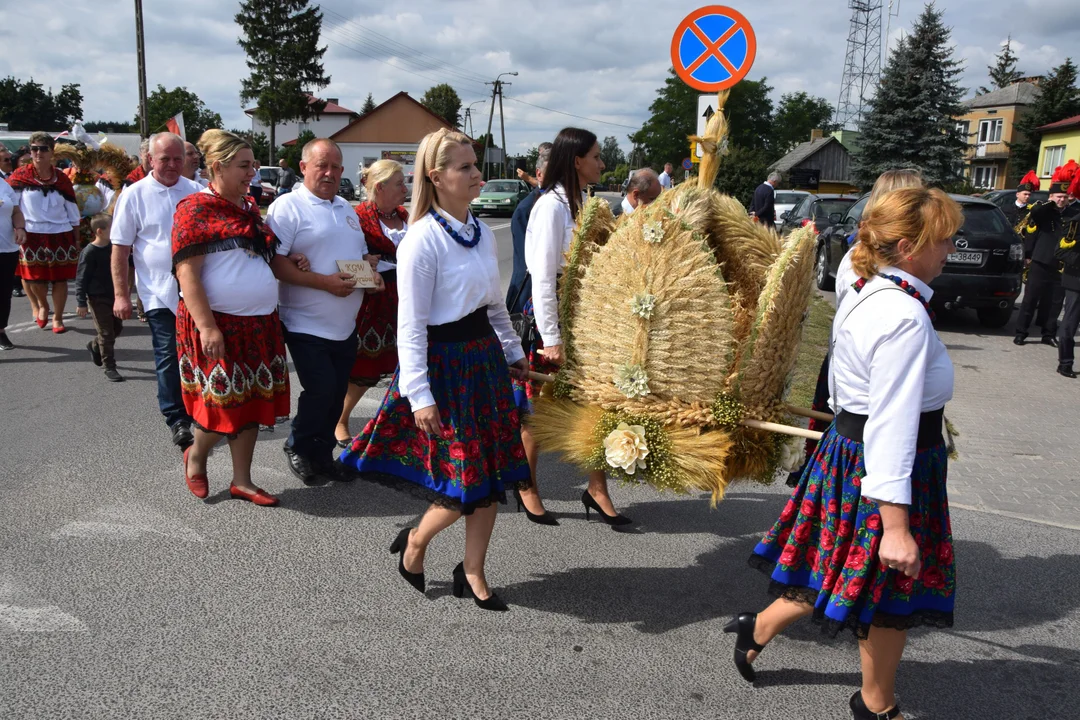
(599, 59)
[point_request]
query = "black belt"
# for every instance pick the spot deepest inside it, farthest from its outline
(851, 426)
(473, 326)
(389, 276)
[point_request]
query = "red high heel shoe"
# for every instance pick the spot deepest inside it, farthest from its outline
(258, 497)
(197, 484)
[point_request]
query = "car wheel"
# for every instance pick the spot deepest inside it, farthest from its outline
(995, 317)
(821, 271)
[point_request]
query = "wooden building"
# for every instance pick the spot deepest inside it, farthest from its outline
(822, 165)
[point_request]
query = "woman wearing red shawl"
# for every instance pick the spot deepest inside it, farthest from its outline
(384, 221)
(51, 251)
(228, 336)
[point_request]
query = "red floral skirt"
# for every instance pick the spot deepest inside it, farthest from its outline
(376, 327)
(48, 257)
(248, 387)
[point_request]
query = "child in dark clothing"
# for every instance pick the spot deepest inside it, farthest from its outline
(94, 287)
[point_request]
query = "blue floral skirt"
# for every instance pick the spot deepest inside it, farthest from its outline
(824, 548)
(479, 455)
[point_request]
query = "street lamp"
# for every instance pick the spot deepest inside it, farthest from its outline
(496, 89)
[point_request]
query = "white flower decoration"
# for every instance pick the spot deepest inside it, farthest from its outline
(791, 454)
(643, 305)
(632, 381)
(652, 232)
(625, 448)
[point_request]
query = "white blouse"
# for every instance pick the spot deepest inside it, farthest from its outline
(9, 200)
(547, 240)
(888, 364)
(394, 236)
(440, 281)
(845, 276)
(48, 213)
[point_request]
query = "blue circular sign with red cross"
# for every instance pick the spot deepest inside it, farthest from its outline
(687, 164)
(713, 48)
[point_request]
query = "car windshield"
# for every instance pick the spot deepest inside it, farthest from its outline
(984, 220)
(787, 198)
(825, 208)
(499, 187)
(267, 175)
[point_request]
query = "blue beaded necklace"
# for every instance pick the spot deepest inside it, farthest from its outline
(454, 234)
(905, 286)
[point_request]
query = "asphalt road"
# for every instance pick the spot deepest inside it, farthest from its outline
(122, 596)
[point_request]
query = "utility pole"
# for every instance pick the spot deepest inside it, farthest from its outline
(140, 48)
(502, 127)
(491, 116)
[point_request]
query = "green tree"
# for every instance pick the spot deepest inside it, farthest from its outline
(911, 118)
(163, 104)
(1058, 99)
(369, 105)
(281, 39)
(749, 111)
(741, 171)
(110, 126)
(671, 120)
(291, 153)
(29, 106)
(611, 153)
(1003, 73)
(260, 145)
(798, 114)
(443, 100)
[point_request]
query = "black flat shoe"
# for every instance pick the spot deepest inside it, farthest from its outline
(304, 469)
(544, 518)
(5, 343)
(1066, 372)
(95, 354)
(590, 504)
(400, 545)
(859, 711)
(344, 443)
(182, 436)
(1051, 341)
(462, 589)
(743, 626)
(1018, 340)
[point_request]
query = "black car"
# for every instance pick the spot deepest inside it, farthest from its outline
(823, 210)
(983, 273)
(1006, 198)
(346, 189)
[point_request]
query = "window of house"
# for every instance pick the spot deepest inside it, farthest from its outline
(990, 130)
(963, 129)
(984, 177)
(1054, 158)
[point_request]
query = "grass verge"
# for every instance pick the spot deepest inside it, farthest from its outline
(812, 350)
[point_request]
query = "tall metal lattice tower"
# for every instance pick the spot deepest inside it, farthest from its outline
(862, 66)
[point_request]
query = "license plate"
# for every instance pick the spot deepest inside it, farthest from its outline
(966, 258)
(488, 207)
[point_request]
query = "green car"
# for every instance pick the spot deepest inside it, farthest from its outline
(499, 197)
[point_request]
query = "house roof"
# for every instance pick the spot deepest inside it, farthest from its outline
(1061, 124)
(330, 109)
(1021, 93)
(802, 153)
(381, 107)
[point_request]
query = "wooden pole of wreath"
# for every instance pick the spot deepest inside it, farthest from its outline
(756, 424)
(806, 413)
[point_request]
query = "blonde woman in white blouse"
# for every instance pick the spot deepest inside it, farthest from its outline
(865, 541)
(573, 165)
(448, 429)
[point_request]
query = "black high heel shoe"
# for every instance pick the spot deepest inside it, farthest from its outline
(544, 518)
(859, 711)
(462, 589)
(744, 625)
(400, 545)
(590, 504)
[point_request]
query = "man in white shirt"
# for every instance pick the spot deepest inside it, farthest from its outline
(318, 307)
(644, 187)
(665, 177)
(142, 229)
(5, 163)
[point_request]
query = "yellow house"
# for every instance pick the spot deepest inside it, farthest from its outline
(990, 126)
(1060, 144)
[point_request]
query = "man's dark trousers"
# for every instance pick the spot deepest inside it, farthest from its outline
(1043, 291)
(1067, 329)
(323, 367)
(162, 324)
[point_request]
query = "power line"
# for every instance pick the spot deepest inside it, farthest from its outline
(579, 117)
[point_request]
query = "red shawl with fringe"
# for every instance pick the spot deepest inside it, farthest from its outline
(135, 175)
(206, 223)
(377, 242)
(27, 178)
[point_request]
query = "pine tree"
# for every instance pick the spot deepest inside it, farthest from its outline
(910, 122)
(1004, 72)
(1058, 99)
(281, 39)
(369, 105)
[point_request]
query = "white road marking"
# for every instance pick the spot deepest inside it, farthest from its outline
(499, 227)
(126, 522)
(40, 619)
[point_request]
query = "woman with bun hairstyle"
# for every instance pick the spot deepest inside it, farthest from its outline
(865, 541)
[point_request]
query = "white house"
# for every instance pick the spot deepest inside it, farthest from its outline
(332, 119)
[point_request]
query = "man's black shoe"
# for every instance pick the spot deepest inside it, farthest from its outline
(5, 344)
(95, 354)
(1067, 371)
(1051, 341)
(304, 469)
(334, 470)
(112, 375)
(182, 436)
(1018, 340)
